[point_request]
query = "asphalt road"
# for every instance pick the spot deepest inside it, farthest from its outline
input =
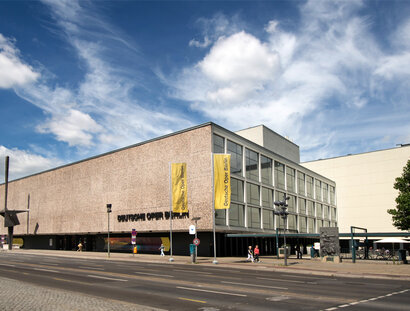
(174, 286)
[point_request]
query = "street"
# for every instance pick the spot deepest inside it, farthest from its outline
(172, 286)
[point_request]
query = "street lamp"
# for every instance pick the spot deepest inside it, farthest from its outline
(196, 230)
(108, 215)
(283, 213)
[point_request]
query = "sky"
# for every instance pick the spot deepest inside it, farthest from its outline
(80, 78)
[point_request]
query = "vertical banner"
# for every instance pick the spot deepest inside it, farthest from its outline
(179, 188)
(222, 180)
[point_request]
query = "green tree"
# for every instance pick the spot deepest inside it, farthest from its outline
(401, 214)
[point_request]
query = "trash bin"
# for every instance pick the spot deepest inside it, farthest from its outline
(192, 251)
(402, 255)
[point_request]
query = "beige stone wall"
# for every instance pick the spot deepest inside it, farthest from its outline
(72, 199)
(365, 186)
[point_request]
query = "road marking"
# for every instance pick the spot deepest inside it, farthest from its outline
(331, 309)
(193, 271)
(200, 301)
(153, 274)
(7, 265)
(106, 278)
(71, 281)
(344, 306)
(354, 303)
(46, 270)
(274, 287)
(211, 291)
(92, 268)
(290, 281)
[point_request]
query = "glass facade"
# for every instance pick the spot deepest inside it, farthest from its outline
(268, 219)
(301, 183)
(302, 206)
(252, 161)
(290, 179)
(236, 190)
(235, 151)
(258, 180)
(266, 170)
(318, 190)
(236, 215)
(254, 217)
(219, 144)
(309, 187)
(267, 197)
(279, 175)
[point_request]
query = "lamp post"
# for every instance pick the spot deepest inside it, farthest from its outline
(108, 215)
(196, 231)
(283, 213)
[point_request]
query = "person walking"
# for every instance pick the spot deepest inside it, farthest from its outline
(250, 254)
(162, 247)
(80, 247)
(256, 254)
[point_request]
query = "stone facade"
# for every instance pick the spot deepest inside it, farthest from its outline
(135, 180)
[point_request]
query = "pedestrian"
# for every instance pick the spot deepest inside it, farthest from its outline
(300, 251)
(161, 248)
(80, 247)
(256, 254)
(250, 254)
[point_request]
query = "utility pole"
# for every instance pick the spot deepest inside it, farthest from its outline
(283, 213)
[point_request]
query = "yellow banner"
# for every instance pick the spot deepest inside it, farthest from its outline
(179, 188)
(222, 180)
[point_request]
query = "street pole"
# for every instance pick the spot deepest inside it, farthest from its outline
(284, 237)
(108, 215)
(283, 213)
(196, 233)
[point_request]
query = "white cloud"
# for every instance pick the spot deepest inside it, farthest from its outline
(13, 71)
(299, 83)
(75, 128)
(23, 163)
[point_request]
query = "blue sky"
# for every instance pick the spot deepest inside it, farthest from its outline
(79, 78)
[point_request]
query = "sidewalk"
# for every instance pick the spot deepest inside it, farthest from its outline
(364, 269)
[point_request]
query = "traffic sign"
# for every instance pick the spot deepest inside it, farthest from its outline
(196, 241)
(133, 237)
(192, 229)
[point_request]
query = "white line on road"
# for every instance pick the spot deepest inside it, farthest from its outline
(254, 285)
(344, 306)
(154, 274)
(331, 309)
(192, 271)
(46, 270)
(106, 278)
(92, 268)
(7, 265)
(290, 281)
(211, 291)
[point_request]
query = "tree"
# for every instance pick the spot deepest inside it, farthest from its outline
(401, 214)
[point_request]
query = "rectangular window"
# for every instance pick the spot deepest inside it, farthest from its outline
(252, 160)
(220, 217)
(219, 144)
(309, 187)
(319, 210)
(325, 211)
(252, 194)
(292, 225)
(302, 224)
(311, 225)
(279, 196)
(292, 203)
(333, 213)
(236, 190)
(236, 215)
(235, 151)
(279, 222)
(325, 193)
(268, 218)
(311, 208)
(333, 224)
(332, 195)
(279, 175)
(290, 179)
(267, 197)
(302, 206)
(254, 217)
(318, 190)
(326, 223)
(266, 170)
(301, 183)
(319, 224)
